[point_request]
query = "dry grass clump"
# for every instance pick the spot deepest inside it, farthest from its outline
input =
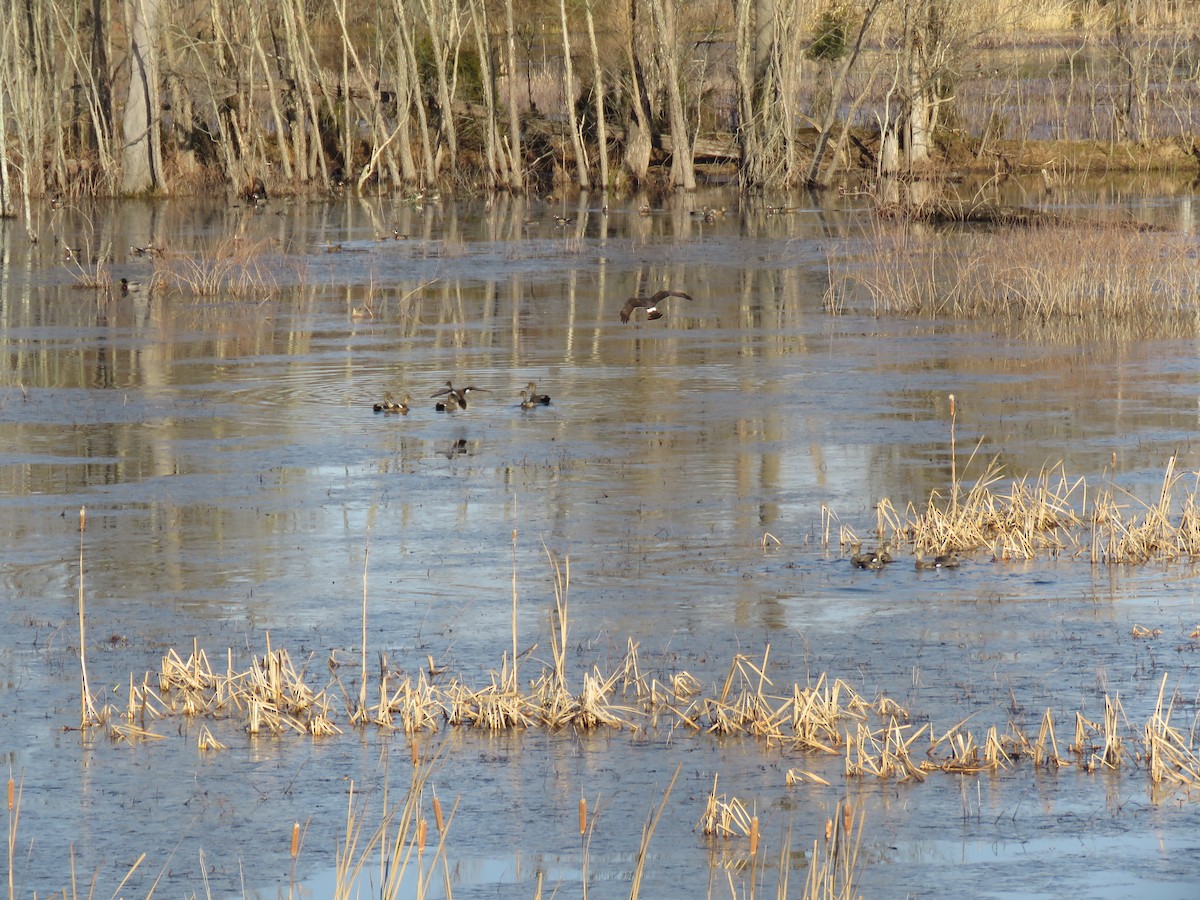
(271, 694)
(1052, 513)
(1078, 272)
(229, 267)
(1171, 754)
(725, 816)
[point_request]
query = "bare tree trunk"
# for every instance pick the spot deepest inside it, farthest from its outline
(496, 158)
(598, 91)
(141, 163)
(442, 34)
(683, 173)
(748, 128)
(581, 161)
(514, 120)
(419, 100)
(920, 138)
(7, 55)
(638, 136)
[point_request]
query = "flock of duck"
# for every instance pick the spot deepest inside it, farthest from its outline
(877, 559)
(453, 399)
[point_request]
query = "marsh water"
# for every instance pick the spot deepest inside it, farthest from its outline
(241, 493)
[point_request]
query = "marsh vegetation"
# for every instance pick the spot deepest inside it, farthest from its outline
(464, 95)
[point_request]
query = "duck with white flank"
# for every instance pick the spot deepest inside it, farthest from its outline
(531, 393)
(456, 398)
(388, 405)
(650, 304)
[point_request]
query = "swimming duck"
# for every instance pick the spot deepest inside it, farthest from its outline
(130, 287)
(456, 398)
(527, 402)
(531, 392)
(391, 406)
(872, 559)
(945, 561)
(650, 304)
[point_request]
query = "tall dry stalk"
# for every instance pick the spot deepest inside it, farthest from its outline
(361, 712)
(953, 462)
(87, 709)
(648, 833)
(14, 819)
(833, 869)
(514, 683)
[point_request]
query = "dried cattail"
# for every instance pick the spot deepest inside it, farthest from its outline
(422, 827)
(582, 815)
(847, 818)
(952, 406)
(82, 517)
(829, 829)
(295, 839)
(416, 754)
(754, 836)
(437, 814)
(10, 793)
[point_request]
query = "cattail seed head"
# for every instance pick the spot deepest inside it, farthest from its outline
(10, 793)
(422, 827)
(437, 814)
(295, 839)
(754, 836)
(582, 816)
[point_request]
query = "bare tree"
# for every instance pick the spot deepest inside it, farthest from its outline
(848, 57)
(581, 161)
(638, 135)
(514, 119)
(141, 161)
(683, 172)
(598, 97)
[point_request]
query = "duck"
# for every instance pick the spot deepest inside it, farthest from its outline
(532, 394)
(650, 304)
(130, 287)
(945, 561)
(527, 402)
(872, 559)
(388, 405)
(456, 398)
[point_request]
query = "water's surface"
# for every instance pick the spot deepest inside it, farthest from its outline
(238, 485)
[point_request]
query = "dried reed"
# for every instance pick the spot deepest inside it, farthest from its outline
(229, 267)
(1096, 274)
(833, 867)
(87, 708)
(647, 833)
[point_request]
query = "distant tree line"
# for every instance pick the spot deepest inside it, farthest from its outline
(130, 97)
